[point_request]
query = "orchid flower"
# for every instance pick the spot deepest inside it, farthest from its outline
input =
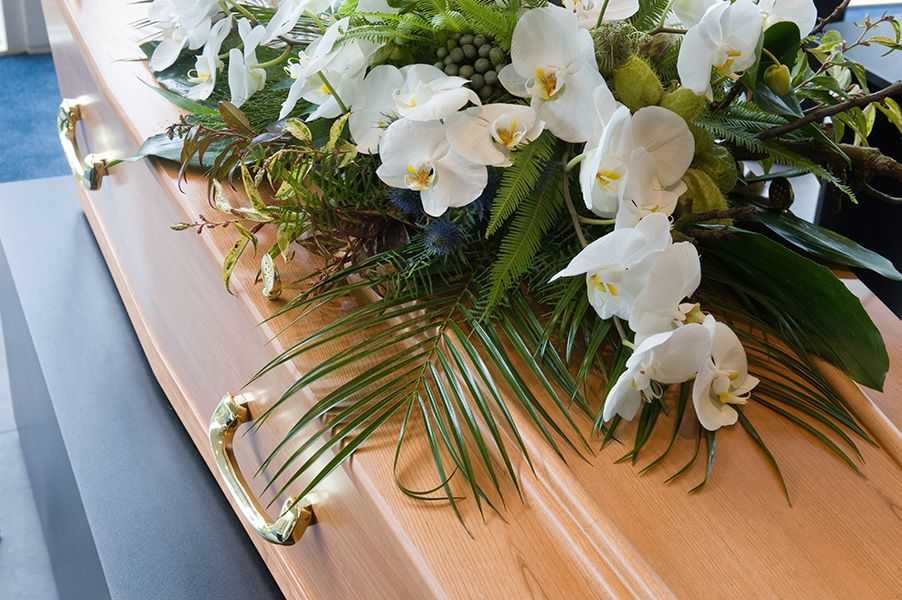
(208, 63)
(725, 38)
(288, 14)
(587, 11)
(618, 265)
(428, 94)
(723, 379)
(675, 276)
(418, 92)
(183, 23)
(487, 134)
(801, 12)
(664, 358)
(245, 77)
(553, 63)
(416, 156)
(637, 165)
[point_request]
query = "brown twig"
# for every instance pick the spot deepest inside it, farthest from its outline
(735, 90)
(826, 111)
(834, 16)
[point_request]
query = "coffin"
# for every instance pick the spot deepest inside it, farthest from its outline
(584, 529)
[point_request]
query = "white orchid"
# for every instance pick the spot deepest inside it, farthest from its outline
(553, 63)
(587, 11)
(428, 94)
(208, 63)
(636, 167)
(725, 38)
(182, 23)
(618, 265)
(664, 358)
(418, 92)
(801, 12)
(675, 276)
(416, 155)
(723, 379)
(245, 75)
(487, 134)
(288, 13)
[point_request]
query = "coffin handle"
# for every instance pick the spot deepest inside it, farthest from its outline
(90, 170)
(294, 518)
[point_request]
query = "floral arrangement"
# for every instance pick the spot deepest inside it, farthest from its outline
(571, 209)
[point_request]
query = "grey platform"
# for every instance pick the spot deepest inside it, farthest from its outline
(127, 506)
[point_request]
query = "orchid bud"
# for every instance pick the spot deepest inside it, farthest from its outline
(778, 79)
(636, 85)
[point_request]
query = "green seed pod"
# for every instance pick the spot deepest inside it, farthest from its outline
(477, 81)
(466, 38)
(451, 70)
(484, 51)
(703, 139)
(486, 91)
(439, 65)
(778, 79)
(704, 193)
(466, 71)
(491, 77)
(456, 55)
(684, 102)
(482, 65)
(615, 43)
(441, 53)
(780, 194)
(469, 51)
(637, 85)
(479, 39)
(497, 55)
(456, 35)
(448, 60)
(720, 166)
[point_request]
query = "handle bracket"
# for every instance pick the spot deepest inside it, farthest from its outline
(293, 520)
(89, 171)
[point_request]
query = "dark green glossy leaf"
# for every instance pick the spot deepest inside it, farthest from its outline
(826, 245)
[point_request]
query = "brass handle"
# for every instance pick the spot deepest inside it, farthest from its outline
(291, 524)
(89, 171)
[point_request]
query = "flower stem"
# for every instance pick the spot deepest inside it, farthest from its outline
(589, 221)
(243, 11)
(574, 161)
(277, 60)
(574, 217)
(604, 7)
(622, 333)
(770, 55)
(341, 105)
(675, 30)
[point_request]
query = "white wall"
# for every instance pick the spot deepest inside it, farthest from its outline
(24, 26)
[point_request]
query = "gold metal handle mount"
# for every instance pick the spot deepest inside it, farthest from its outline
(89, 171)
(291, 524)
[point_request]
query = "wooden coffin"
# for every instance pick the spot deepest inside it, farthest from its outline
(585, 529)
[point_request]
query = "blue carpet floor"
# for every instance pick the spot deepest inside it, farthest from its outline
(29, 100)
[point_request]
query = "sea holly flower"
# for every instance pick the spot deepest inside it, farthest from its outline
(636, 166)
(245, 76)
(664, 358)
(428, 94)
(553, 63)
(723, 380)
(618, 265)
(587, 11)
(182, 23)
(675, 276)
(416, 156)
(418, 92)
(487, 134)
(208, 63)
(725, 38)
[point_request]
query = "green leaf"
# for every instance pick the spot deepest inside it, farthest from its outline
(231, 259)
(191, 106)
(824, 244)
(234, 117)
(782, 39)
(829, 318)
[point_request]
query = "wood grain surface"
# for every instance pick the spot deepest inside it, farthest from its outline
(585, 529)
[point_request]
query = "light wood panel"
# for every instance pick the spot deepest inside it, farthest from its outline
(587, 529)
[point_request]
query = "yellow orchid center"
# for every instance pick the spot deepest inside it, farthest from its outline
(602, 286)
(325, 90)
(726, 68)
(546, 83)
(607, 176)
(420, 177)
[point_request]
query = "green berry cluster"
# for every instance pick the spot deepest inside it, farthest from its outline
(475, 57)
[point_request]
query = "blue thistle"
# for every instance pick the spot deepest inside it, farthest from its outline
(442, 237)
(406, 201)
